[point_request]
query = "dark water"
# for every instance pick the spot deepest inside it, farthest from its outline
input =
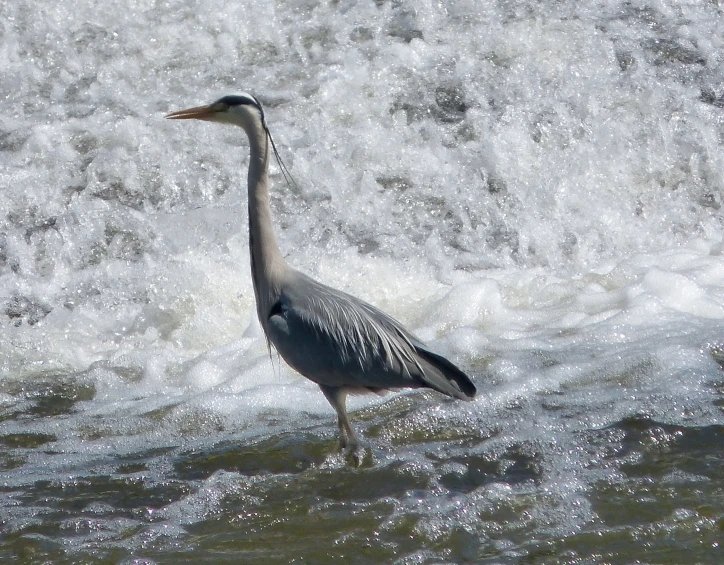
(425, 493)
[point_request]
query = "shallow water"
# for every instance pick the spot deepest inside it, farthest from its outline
(534, 188)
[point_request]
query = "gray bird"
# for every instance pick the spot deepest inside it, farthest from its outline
(341, 343)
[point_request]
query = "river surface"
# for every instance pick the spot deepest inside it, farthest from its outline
(533, 187)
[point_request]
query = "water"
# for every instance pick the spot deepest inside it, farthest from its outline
(534, 188)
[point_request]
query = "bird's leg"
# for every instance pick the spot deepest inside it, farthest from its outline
(343, 440)
(347, 439)
(352, 443)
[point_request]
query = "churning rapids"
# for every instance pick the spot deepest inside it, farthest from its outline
(534, 188)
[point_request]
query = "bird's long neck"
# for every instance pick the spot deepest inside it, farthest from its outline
(267, 263)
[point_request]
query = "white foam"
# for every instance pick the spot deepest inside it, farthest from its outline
(534, 189)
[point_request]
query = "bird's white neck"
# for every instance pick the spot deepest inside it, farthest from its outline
(267, 263)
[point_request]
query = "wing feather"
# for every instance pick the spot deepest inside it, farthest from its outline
(335, 339)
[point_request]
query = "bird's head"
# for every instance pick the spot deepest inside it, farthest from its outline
(237, 109)
(240, 110)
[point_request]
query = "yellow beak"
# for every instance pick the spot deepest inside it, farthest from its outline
(198, 113)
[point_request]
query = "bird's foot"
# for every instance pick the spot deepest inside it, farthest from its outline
(343, 442)
(353, 456)
(349, 447)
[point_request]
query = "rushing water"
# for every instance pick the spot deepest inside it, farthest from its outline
(533, 187)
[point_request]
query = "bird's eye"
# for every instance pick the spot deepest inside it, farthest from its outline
(220, 107)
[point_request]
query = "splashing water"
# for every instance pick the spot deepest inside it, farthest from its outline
(534, 188)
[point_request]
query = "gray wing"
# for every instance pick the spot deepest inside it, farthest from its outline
(335, 339)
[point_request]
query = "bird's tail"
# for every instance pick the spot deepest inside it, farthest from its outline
(443, 376)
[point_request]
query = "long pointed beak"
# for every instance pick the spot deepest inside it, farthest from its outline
(198, 113)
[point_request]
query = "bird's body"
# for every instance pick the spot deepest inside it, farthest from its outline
(352, 343)
(334, 339)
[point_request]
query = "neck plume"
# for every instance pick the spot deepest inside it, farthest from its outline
(267, 263)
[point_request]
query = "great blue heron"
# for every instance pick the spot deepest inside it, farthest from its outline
(336, 340)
